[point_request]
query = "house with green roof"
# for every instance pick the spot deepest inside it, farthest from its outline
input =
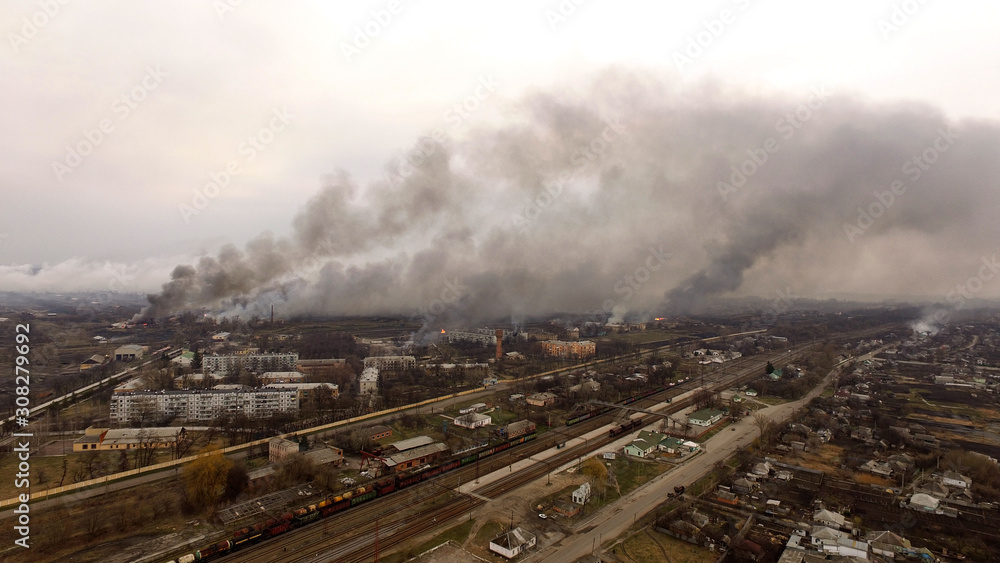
(640, 448)
(705, 417)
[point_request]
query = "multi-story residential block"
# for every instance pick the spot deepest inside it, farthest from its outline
(390, 364)
(307, 391)
(256, 363)
(368, 382)
(573, 349)
(187, 405)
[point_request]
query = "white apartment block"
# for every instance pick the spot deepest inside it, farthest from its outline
(368, 382)
(484, 337)
(391, 363)
(256, 363)
(190, 405)
(307, 391)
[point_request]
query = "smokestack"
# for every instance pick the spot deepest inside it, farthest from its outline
(272, 315)
(499, 343)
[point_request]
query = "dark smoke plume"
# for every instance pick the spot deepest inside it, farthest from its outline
(573, 205)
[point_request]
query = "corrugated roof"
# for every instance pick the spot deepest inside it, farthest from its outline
(411, 443)
(408, 455)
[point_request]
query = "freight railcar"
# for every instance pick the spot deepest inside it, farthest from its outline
(338, 503)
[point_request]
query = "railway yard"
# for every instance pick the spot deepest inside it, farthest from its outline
(509, 482)
(398, 518)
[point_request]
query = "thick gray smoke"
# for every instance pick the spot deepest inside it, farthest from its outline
(631, 197)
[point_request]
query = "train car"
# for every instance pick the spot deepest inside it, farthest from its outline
(587, 416)
(331, 505)
(306, 515)
(364, 498)
(248, 534)
(242, 533)
(214, 550)
(405, 481)
(277, 528)
(623, 428)
(385, 486)
(335, 507)
(250, 538)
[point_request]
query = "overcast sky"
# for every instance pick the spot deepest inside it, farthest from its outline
(288, 93)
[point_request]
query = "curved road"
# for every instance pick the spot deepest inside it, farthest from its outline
(613, 520)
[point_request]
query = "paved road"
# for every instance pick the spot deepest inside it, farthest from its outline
(613, 520)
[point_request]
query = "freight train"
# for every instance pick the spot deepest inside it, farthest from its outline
(344, 500)
(625, 427)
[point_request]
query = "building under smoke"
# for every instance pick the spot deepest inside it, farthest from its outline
(254, 363)
(572, 349)
(390, 364)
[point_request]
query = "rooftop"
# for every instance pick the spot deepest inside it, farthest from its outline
(421, 451)
(411, 443)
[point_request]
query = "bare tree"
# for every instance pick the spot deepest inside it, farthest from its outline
(145, 449)
(763, 424)
(65, 466)
(702, 398)
(94, 524)
(124, 514)
(182, 445)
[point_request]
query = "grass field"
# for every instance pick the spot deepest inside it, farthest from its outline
(457, 534)
(645, 336)
(825, 458)
(488, 531)
(651, 546)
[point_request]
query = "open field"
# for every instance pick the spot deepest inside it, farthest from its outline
(649, 546)
(645, 336)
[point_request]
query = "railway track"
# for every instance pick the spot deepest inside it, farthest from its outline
(341, 529)
(393, 526)
(396, 519)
